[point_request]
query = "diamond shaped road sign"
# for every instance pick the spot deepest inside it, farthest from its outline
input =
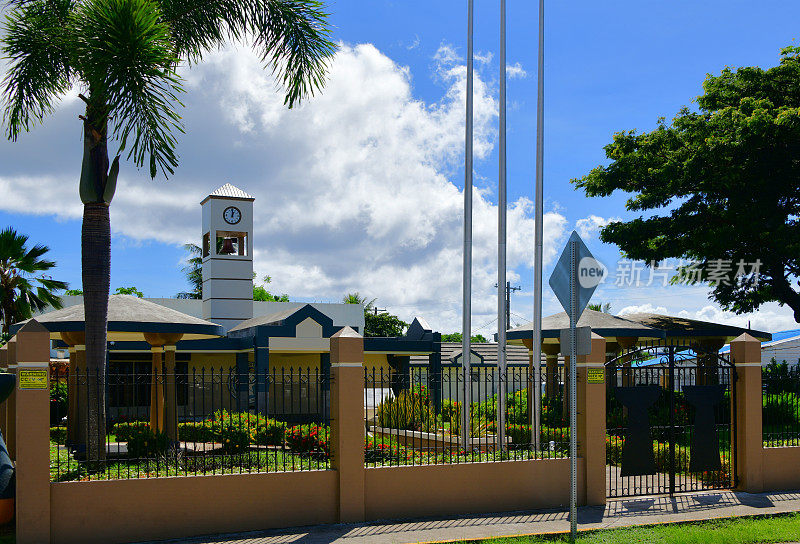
(589, 273)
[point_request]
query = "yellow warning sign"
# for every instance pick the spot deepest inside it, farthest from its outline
(596, 375)
(32, 378)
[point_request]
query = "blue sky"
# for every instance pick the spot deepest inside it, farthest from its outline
(358, 189)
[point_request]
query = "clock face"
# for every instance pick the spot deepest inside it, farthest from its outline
(232, 215)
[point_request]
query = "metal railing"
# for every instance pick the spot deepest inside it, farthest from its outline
(413, 417)
(200, 422)
(781, 405)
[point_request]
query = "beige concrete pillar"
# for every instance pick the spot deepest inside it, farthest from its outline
(156, 391)
(746, 356)
(592, 423)
(347, 422)
(171, 404)
(33, 434)
(10, 433)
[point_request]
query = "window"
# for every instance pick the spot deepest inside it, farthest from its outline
(231, 243)
(206, 244)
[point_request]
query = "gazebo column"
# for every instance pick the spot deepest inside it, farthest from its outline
(707, 360)
(77, 366)
(551, 369)
(156, 391)
(626, 343)
(171, 404)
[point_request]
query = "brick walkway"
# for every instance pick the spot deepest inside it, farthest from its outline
(617, 513)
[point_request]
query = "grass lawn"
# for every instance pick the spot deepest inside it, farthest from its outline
(784, 528)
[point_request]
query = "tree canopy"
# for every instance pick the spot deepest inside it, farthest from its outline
(376, 322)
(457, 337)
(718, 186)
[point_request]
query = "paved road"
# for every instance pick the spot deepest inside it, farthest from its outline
(617, 513)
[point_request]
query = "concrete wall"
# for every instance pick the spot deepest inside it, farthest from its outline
(159, 508)
(781, 468)
(470, 488)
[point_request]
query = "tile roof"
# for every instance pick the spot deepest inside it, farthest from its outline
(230, 191)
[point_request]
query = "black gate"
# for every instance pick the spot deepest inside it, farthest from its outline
(670, 421)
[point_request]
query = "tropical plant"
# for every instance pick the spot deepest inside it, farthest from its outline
(193, 272)
(123, 55)
(411, 410)
(20, 271)
(717, 186)
(73, 292)
(600, 307)
(309, 439)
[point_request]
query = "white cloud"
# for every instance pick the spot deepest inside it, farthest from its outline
(588, 227)
(516, 70)
(354, 189)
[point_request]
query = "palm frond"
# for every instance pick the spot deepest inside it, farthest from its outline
(37, 37)
(294, 39)
(127, 58)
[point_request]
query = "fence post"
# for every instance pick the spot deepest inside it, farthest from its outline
(347, 422)
(746, 357)
(592, 422)
(33, 434)
(3, 410)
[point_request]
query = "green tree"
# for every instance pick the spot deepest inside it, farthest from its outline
(23, 287)
(457, 337)
(719, 186)
(123, 55)
(260, 292)
(383, 324)
(129, 291)
(376, 323)
(74, 292)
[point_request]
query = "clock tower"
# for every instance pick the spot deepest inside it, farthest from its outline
(227, 256)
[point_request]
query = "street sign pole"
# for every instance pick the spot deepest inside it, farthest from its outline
(573, 391)
(575, 278)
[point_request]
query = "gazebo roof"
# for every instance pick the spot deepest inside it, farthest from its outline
(683, 326)
(604, 324)
(129, 318)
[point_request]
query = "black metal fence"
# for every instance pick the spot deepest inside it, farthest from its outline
(198, 422)
(414, 417)
(669, 422)
(781, 405)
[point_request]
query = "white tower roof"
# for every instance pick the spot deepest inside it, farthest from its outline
(229, 191)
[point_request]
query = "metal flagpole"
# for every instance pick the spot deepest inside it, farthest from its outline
(467, 307)
(536, 405)
(502, 324)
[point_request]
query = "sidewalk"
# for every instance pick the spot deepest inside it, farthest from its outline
(617, 513)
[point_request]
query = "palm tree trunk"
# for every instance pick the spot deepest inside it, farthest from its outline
(96, 268)
(96, 262)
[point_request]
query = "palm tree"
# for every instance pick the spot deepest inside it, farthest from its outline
(123, 55)
(193, 271)
(600, 307)
(20, 269)
(356, 298)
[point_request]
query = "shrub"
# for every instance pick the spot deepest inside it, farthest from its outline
(411, 410)
(196, 431)
(451, 411)
(124, 431)
(58, 434)
(309, 439)
(781, 409)
(270, 433)
(382, 449)
(142, 442)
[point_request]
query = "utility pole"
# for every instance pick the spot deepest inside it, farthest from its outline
(509, 290)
